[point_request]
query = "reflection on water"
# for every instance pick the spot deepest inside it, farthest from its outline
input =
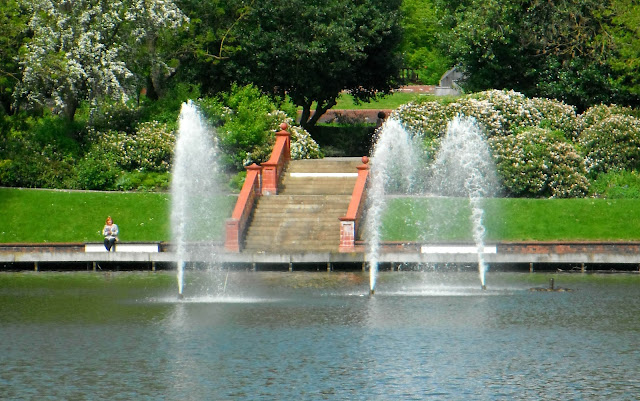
(319, 336)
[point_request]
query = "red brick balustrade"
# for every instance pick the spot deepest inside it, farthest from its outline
(280, 156)
(349, 223)
(260, 181)
(237, 224)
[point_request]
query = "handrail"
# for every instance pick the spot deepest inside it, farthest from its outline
(260, 181)
(280, 156)
(349, 223)
(237, 224)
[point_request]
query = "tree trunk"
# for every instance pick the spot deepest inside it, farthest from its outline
(307, 121)
(70, 107)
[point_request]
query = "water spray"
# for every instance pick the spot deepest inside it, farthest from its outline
(193, 190)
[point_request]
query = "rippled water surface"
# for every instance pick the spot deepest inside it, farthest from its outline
(286, 336)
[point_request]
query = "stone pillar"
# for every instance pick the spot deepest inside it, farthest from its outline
(279, 157)
(347, 234)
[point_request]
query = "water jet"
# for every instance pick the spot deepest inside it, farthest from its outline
(193, 191)
(462, 168)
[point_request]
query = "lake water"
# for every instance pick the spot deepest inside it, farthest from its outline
(318, 336)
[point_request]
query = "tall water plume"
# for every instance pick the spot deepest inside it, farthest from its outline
(193, 191)
(394, 159)
(463, 167)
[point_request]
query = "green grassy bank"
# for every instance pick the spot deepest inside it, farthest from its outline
(34, 215)
(30, 215)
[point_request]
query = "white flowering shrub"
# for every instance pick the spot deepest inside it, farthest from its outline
(539, 162)
(612, 143)
(558, 116)
(427, 119)
(595, 114)
(509, 111)
(149, 149)
(532, 138)
(499, 113)
(302, 145)
(86, 49)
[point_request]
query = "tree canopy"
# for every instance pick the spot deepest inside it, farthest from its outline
(556, 49)
(83, 50)
(12, 33)
(311, 51)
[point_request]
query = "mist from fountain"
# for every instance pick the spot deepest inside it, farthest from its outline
(193, 191)
(394, 161)
(461, 168)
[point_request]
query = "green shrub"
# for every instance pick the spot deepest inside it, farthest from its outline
(143, 181)
(612, 143)
(242, 125)
(337, 140)
(39, 152)
(149, 149)
(166, 109)
(97, 171)
(539, 162)
(617, 185)
(237, 181)
(114, 116)
(246, 122)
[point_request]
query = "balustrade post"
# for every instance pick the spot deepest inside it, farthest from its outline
(281, 154)
(349, 223)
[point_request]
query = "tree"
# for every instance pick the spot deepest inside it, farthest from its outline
(625, 31)
(206, 47)
(540, 48)
(420, 43)
(84, 50)
(311, 51)
(12, 34)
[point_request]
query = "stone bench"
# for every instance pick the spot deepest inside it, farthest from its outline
(146, 247)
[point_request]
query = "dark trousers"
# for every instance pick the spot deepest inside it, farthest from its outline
(110, 243)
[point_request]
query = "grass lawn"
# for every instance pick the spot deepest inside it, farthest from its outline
(393, 101)
(506, 219)
(396, 99)
(33, 215)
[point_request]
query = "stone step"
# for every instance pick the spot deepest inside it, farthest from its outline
(313, 186)
(330, 165)
(301, 205)
(304, 216)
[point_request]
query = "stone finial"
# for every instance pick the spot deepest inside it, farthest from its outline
(284, 126)
(365, 159)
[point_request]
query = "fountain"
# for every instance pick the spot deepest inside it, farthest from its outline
(193, 191)
(393, 170)
(462, 168)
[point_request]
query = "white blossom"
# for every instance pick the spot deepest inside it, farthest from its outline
(81, 49)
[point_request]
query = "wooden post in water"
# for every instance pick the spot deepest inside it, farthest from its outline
(531, 267)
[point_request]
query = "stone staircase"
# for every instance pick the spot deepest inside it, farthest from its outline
(303, 216)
